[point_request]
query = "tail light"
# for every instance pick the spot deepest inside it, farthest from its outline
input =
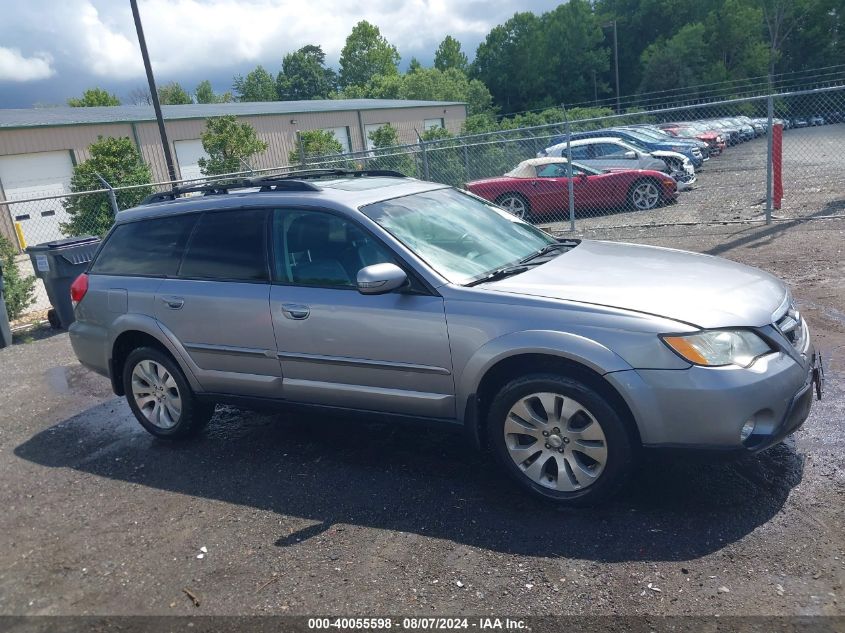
(78, 289)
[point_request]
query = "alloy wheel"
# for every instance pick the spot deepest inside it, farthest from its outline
(156, 394)
(645, 196)
(515, 206)
(555, 441)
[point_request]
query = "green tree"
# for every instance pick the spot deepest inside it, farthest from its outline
(427, 84)
(118, 161)
(205, 94)
(18, 292)
(414, 65)
(366, 54)
(450, 55)
(509, 63)
(172, 93)
(304, 75)
(679, 62)
(315, 143)
(229, 144)
(386, 156)
(258, 85)
(94, 97)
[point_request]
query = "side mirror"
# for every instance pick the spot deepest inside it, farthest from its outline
(380, 279)
(583, 176)
(630, 155)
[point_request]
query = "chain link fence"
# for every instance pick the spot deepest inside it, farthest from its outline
(760, 159)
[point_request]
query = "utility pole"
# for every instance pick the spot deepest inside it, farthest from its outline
(171, 170)
(616, 63)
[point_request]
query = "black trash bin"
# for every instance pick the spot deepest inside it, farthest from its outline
(5, 330)
(58, 264)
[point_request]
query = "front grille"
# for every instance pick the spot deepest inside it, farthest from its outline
(791, 325)
(696, 152)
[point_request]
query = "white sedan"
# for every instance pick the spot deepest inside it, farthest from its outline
(613, 153)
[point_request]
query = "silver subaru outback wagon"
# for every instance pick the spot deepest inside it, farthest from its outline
(372, 292)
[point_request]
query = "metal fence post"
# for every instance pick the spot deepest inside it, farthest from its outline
(426, 169)
(769, 163)
(466, 163)
(570, 182)
(112, 197)
(301, 148)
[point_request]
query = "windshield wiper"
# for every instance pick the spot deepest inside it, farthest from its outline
(549, 248)
(499, 273)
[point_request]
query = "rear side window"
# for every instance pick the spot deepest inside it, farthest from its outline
(228, 245)
(149, 248)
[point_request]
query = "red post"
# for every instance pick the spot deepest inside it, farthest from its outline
(777, 164)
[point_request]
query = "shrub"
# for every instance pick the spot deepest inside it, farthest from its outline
(18, 291)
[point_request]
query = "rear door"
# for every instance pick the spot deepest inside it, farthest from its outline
(217, 306)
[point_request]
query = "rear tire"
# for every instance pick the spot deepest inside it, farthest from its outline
(515, 204)
(160, 397)
(560, 439)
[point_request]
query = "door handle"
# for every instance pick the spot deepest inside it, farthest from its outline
(174, 303)
(295, 311)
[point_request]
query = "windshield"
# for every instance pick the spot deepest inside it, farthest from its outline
(460, 236)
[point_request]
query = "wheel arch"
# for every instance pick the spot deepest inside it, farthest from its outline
(133, 331)
(535, 352)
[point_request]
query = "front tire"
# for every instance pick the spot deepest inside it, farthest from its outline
(160, 396)
(560, 439)
(644, 195)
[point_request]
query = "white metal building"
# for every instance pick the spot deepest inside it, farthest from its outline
(40, 146)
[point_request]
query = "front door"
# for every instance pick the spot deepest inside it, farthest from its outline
(218, 305)
(337, 347)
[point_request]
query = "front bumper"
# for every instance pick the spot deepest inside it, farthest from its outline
(706, 408)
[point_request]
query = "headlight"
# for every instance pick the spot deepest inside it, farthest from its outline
(717, 348)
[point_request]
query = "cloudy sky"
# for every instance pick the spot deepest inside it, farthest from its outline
(53, 49)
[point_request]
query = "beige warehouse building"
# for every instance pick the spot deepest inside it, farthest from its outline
(39, 147)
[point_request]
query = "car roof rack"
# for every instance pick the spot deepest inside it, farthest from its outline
(291, 181)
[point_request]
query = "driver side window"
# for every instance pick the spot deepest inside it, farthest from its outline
(313, 248)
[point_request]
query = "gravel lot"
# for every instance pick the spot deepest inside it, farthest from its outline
(303, 516)
(732, 187)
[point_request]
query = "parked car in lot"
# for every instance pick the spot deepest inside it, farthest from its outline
(799, 122)
(715, 140)
(540, 186)
(643, 141)
(816, 120)
(393, 298)
(608, 153)
(655, 133)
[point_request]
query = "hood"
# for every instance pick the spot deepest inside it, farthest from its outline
(700, 290)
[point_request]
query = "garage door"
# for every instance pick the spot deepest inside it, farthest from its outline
(188, 154)
(25, 176)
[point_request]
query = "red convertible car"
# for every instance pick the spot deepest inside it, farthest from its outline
(539, 186)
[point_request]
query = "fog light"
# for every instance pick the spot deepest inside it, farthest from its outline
(747, 429)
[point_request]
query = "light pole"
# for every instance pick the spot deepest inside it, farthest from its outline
(171, 170)
(615, 62)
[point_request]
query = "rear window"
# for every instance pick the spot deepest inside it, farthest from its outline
(228, 245)
(149, 248)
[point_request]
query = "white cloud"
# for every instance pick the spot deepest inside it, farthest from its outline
(15, 67)
(97, 37)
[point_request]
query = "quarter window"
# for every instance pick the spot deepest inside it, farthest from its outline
(228, 245)
(149, 248)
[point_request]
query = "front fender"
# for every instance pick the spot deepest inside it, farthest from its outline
(564, 345)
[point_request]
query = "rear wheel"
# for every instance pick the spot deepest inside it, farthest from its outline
(515, 204)
(644, 195)
(560, 439)
(160, 396)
